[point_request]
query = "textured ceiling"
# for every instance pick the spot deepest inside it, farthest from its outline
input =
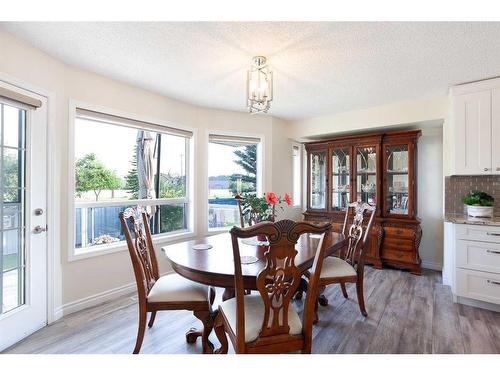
(319, 68)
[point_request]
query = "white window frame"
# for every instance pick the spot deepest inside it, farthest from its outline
(297, 203)
(75, 254)
(261, 146)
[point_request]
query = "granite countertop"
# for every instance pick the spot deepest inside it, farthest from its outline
(464, 219)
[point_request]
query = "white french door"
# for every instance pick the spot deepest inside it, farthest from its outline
(23, 238)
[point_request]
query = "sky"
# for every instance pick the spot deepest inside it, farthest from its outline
(114, 146)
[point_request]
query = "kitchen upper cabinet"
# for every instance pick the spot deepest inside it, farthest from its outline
(476, 128)
(472, 114)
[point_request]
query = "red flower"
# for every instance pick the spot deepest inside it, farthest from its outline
(287, 199)
(271, 198)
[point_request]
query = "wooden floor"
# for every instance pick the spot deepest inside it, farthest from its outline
(406, 314)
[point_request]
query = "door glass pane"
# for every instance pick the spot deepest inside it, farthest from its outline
(318, 180)
(12, 188)
(366, 172)
(340, 179)
(397, 179)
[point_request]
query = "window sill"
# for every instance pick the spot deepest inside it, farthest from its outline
(99, 250)
(214, 231)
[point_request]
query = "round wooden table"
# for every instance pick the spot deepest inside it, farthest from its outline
(215, 266)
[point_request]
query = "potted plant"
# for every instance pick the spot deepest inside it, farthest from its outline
(257, 209)
(479, 204)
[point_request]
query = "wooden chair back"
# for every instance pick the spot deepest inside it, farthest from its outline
(278, 280)
(357, 234)
(140, 246)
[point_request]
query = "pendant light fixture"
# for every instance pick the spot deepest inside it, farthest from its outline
(259, 86)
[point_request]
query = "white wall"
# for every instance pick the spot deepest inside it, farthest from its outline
(430, 196)
(394, 114)
(81, 279)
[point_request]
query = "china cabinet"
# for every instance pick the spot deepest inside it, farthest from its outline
(378, 168)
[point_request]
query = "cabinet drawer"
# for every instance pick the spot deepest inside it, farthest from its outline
(481, 256)
(403, 244)
(398, 256)
(478, 285)
(478, 233)
(395, 232)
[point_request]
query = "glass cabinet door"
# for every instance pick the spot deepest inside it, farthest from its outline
(366, 174)
(341, 189)
(318, 180)
(397, 179)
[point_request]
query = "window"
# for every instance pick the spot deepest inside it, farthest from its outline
(13, 190)
(232, 169)
(120, 163)
(297, 175)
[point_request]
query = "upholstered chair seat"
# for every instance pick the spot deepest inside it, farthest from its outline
(336, 267)
(254, 311)
(175, 288)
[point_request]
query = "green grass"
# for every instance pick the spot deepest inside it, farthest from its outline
(9, 261)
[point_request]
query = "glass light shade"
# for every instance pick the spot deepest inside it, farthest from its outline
(259, 86)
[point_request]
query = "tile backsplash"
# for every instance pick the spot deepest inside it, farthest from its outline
(456, 187)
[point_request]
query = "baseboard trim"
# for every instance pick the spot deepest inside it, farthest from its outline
(476, 303)
(94, 300)
(431, 265)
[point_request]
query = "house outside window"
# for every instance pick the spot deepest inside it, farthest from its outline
(121, 163)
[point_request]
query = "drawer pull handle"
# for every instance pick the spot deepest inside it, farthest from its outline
(493, 252)
(493, 282)
(492, 234)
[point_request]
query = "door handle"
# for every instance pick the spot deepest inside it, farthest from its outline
(493, 282)
(39, 229)
(486, 169)
(492, 234)
(493, 252)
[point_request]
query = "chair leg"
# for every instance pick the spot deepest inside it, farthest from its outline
(344, 290)
(152, 319)
(140, 331)
(221, 335)
(316, 315)
(361, 299)
(208, 323)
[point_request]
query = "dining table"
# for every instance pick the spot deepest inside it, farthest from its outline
(209, 260)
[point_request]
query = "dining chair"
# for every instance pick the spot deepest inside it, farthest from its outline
(265, 322)
(348, 266)
(168, 292)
